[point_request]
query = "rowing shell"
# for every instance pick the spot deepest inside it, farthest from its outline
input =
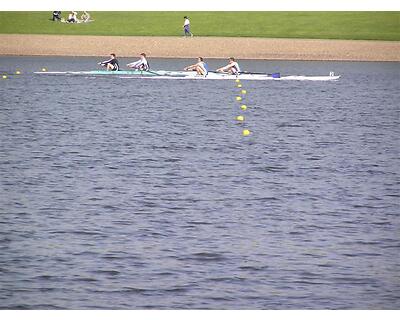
(100, 73)
(188, 75)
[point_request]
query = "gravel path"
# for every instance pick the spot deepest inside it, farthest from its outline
(208, 47)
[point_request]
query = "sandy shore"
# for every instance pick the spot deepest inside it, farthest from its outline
(210, 47)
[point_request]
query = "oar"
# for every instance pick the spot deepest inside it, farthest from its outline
(245, 72)
(149, 71)
(267, 74)
(152, 72)
(248, 72)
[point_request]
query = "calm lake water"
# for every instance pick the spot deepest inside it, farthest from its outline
(130, 194)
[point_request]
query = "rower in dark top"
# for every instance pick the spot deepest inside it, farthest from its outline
(111, 64)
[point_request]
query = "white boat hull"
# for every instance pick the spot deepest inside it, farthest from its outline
(189, 75)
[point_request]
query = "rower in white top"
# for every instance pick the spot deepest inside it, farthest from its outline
(200, 67)
(141, 64)
(232, 67)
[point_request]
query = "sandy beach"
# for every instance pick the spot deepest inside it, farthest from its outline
(209, 47)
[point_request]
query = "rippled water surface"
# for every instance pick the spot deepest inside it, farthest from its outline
(129, 194)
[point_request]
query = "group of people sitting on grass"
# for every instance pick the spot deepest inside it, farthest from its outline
(200, 67)
(72, 17)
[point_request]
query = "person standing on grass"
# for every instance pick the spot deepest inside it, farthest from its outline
(186, 27)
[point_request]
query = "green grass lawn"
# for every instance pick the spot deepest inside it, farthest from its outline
(311, 25)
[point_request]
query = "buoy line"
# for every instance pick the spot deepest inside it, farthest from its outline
(241, 118)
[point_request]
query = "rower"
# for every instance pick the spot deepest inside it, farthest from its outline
(200, 67)
(111, 64)
(232, 67)
(141, 64)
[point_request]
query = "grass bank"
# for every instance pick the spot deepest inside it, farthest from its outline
(306, 25)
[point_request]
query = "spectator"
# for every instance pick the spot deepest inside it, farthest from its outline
(85, 17)
(72, 17)
(186, 27)
(56, 15)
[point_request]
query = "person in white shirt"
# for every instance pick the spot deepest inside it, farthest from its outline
(141, 64)
(232, 67)
(200, 67)
(186, 27)
(85, 17)
(72, 17)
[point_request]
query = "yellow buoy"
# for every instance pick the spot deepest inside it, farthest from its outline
(239, 85)
(238, 98)
(237, 80)
(246, 132)
(243, 91)
(44, 69)
(17, 72)
(240, 118)
(4, 77)
(243, 107)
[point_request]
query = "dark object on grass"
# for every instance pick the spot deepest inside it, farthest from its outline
(56, 16)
